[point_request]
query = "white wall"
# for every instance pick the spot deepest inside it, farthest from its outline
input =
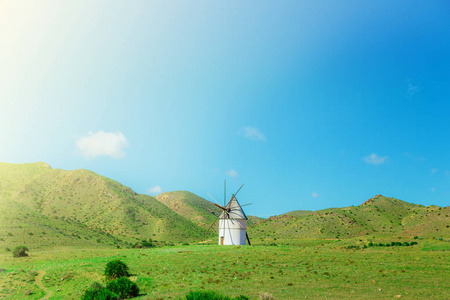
(233, 231)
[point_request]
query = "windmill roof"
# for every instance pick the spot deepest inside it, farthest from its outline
(234, 210)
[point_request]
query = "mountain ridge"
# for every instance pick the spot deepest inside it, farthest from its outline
(49, 206)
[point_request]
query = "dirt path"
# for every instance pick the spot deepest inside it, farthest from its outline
(38, 281)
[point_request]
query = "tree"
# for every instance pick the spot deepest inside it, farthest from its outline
(19, 251)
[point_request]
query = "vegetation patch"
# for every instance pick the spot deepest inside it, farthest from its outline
(20, 251)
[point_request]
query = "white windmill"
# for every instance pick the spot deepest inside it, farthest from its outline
(232, 221)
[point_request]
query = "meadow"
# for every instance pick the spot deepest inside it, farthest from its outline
(304, 269)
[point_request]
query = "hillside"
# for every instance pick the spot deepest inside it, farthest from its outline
(41, 206)
(378, 216)
(48, 206)
(190, 206)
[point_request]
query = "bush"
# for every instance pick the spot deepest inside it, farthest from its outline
(99, 294)
(116, 269)
(413, 243)
(405, 244)
(123, 287)
(19, 251)
(147, 245)
(205, 295)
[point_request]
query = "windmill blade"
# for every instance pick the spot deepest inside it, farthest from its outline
(238, 190)
(224, 192)
(212, 198)
(240, 205)
(220, 206)
(211, 225)
(210, 212)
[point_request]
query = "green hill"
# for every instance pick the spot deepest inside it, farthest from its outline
(190, 206)
(46, 206)
(380, 216)
(43, 207)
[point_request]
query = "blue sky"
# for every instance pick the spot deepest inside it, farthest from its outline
(311, 104)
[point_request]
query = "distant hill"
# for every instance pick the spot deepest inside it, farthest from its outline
(41, 206)
(190, 206)
(377, 216)
(46, 206)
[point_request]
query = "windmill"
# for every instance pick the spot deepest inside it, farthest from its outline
(232, 221)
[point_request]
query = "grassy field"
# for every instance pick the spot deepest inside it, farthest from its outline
(308, 269)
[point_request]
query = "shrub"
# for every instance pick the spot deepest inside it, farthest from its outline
(123, 287)
(99, 294)
(116, 269)
(147, 245)
(398, 243)
(405, 244)
(205, 295)
(19, 251)
(413, 243)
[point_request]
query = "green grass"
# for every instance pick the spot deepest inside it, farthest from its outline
(312, 269)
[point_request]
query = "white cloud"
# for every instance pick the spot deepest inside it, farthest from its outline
(315, 195)
(232, 173)
(434, 171)
(433, 189)
(254, 134)
(155, 190)
(412, 89)
(374, 159)
(102, 143)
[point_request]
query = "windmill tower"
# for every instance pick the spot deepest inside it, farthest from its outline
(232, 222)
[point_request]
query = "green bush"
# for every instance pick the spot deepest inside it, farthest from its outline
(147, 245)
(211, 295)
(19, 251)
(205, 295)
(99, 294)
(116, 269)
(123, 287)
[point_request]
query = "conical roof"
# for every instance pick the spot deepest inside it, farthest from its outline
(233, 210)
